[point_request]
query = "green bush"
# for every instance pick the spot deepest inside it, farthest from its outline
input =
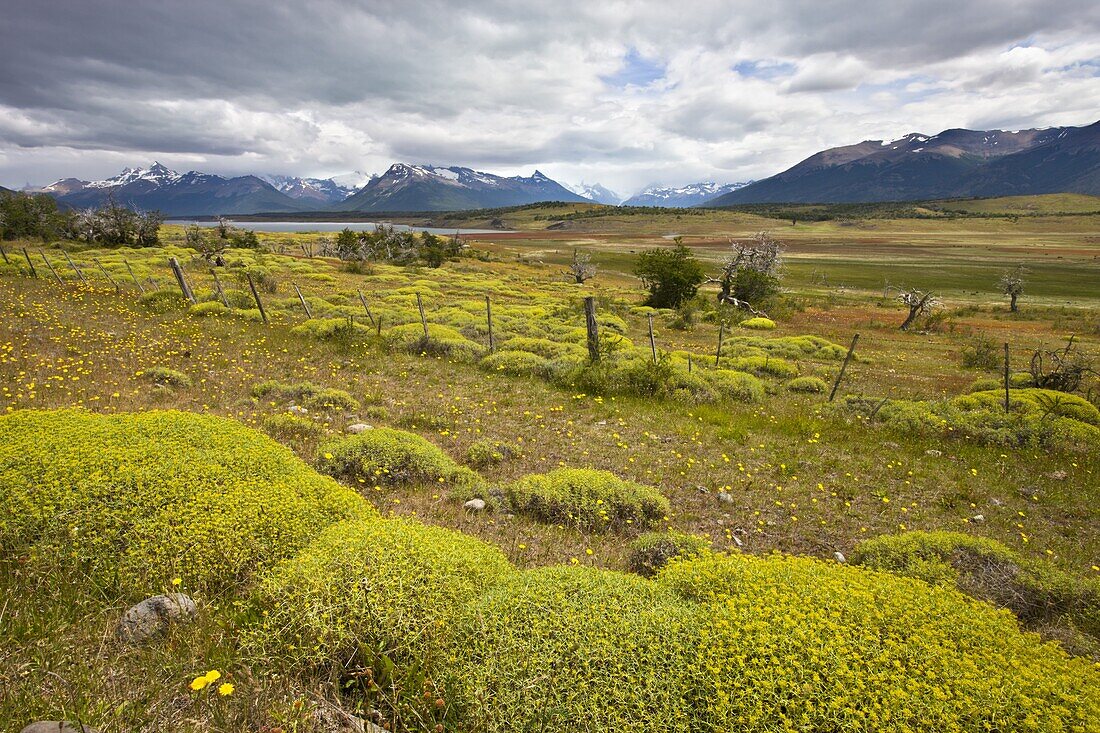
(1015, 380)
(331, 400)
(737, 386)
(132, 501)
(163, 301)
(588, 499)
(758, 324)
(834, 647)
(386, 456)
(571, 649)
(383, 586)
(291, 427)
(1037, 592)
(545, 348)
(484, 453)
(807, 384)
(329, 329)
(282, 391)
(519, 363)
(762, 365)
(208, 308)
(1033, 401)
(166, 376)
(651, 551)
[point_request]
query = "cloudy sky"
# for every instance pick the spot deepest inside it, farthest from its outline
(623, 93)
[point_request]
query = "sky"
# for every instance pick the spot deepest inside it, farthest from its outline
(622, 93)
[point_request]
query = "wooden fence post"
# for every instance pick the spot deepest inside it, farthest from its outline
(256, 295)
(652, 342)
(721, 336)
(56, 276)
(489, 319)
(34, 272)
(365, 306)
(847, 358)
(134, 277)
(73, 265)
(423, 319)
(689, 363)
(178, 271)
(305, 305)
(106, 274)
(5, 255)
(592, 328)
(378, 325)
(218, 288)
(1006, 377)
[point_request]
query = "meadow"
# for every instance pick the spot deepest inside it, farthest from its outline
(748, 456)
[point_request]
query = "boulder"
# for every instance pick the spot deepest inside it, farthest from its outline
(153, 616)
(359, 427)
(475, 505)
(297, 410)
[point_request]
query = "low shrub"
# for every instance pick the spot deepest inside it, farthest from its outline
(291, 427)
(737, 386)
(1044, 402)
(758, 324)
(281, 391)
(773, 366)
(331, 329)
(484, 453)
(163, 301)
(368, 587)
(545, 348)
(1015, 380)
(441, 340)
(519, 363)
(387, 456)
(588, 499)
(132, 501)
(208, 308)
(651, 551)
(166, 376)
(811, 385)
(1036, 591)
(330, 400)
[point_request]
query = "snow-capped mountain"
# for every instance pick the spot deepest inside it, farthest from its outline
(176, 194)
(596, 192)
(354, 180)
(320, 191)
(692, 194)
(952, 164)
(407, 187)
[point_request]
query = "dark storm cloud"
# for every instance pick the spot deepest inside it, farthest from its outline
(329, 85)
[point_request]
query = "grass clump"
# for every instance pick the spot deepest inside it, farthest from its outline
(758, 323)
(166, 376)
(737, 386)
(1033, 401)
(131, 501)
(1042, 596)
(519, 363)
(810, 385)
(331, 399)
(651, 551)
(308, 395)
(386, 456)
(484, 453)
(587, 499)
(366, 587)
(331, 329)
(766, 365)
(163, 301)
(208, 308)
(291, 427)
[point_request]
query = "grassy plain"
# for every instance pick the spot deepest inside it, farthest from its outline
(803, 476)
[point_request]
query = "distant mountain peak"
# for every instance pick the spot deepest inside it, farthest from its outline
(692, 194)
(597, 193)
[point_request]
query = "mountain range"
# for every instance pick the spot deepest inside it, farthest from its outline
(692, 194)
(955, 163)
(596, 193)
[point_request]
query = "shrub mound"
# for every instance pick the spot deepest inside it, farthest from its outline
(737, 386)
(133, 501)
(651, 551)
(387, 456)
(585, 498)
(389, 586)
(1042, 596)
(519, 363)
(1032, 401)
(325, 329)
(166, 376)
(744, 643)
(758, 324)
(811, 385)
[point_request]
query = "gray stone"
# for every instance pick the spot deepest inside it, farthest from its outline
(153, 616)
(737, 541)
(297, 410)
(933, 452)
(725, 497)
(475, 505)
(979, 518)
(359, 427)
(839, 557)
(57, 726)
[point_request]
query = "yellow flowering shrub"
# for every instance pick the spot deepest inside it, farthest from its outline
(586, 498)
(758, 324)
(391, 456)
(132, 501)
(651, 551)
(387, 585)
(1033, 401)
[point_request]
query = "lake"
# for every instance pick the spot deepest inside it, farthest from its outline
(329, 226)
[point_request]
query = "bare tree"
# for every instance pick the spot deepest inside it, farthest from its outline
(918, 302)
(210, 249)
(1062, 369)
(1011, 284)
(581, 268)
(751, 273)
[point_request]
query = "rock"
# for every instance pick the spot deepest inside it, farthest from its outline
(359, 427)
(475, 505)
(839, 557)
(725, 497)
(57, 726)
(737, 541)
(933, 452)
(297, 410)
(996, 502)
(979, 518)
(153, 616)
